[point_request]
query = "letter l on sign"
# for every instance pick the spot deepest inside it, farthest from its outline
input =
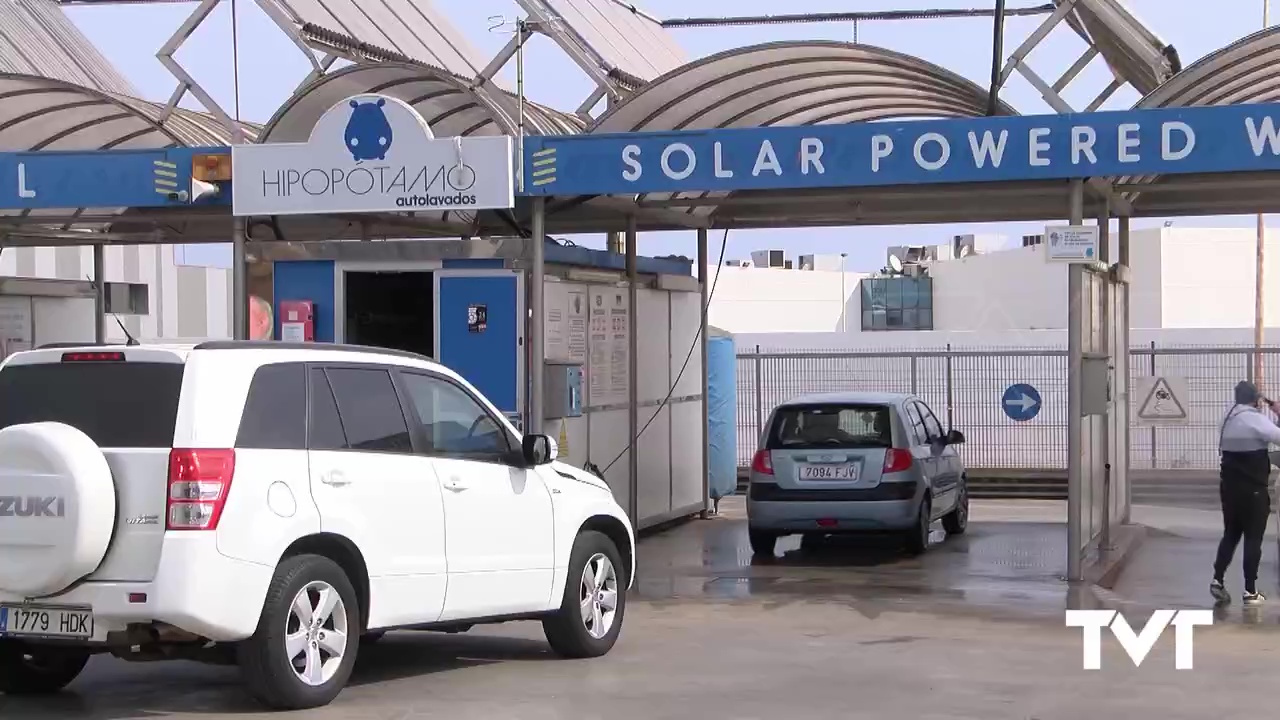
(23, 190)
(1139, 644)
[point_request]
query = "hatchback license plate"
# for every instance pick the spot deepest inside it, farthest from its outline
(829, 472)
(17, 621)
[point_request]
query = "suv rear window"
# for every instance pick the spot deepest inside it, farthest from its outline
(818, 426)
(117, 404)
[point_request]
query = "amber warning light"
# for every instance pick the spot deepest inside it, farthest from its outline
(211, 168)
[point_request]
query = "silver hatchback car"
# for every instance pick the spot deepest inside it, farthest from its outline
(855, 462)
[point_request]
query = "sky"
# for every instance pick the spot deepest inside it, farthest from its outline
(271, 67)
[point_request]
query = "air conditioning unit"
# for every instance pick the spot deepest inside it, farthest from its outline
(907, 254)
(769, 258)
(787, 265)
(962, 246)
(915, 270)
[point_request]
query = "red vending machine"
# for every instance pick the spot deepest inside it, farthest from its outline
(297, 321)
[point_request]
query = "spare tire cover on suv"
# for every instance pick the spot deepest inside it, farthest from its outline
(57, 507)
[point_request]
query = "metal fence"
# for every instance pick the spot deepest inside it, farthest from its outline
(965, 388)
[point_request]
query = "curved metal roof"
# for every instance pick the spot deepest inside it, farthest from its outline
(449, 104)
(38, 113)
(1246, 71)
(794, 83)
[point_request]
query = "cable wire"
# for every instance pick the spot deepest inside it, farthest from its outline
(724, 243)
(938, 14)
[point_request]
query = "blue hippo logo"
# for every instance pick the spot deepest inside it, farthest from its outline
(368, 132)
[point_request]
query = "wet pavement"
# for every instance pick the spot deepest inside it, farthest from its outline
(973, 629)
(1009, 558)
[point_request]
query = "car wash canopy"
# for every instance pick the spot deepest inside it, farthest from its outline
(1235, 138)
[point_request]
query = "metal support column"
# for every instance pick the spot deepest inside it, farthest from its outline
(537, 324)
(633, 387)
(1108, 347)
(239, 281)
(1122, 250)
(704, 280)
(99, 294)
(1075, 398)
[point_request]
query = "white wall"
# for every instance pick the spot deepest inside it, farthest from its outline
(1007, 290)
(1180, 278)
(186, 301)
(755, 299)
(1209, 277)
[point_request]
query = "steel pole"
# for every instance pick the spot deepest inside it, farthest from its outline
(537, 327)
(1075, 398)
(1108, 344)
(239, 280)
(704, 285)
(997, 59)
(1124, 351)
(633, 385)
(1259, 280)
(100, 295)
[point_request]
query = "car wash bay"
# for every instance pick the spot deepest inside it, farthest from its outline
(946, 171)
(429, 297)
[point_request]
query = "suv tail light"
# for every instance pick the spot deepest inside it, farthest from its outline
(92, 356)
(896, 460)
(762, 463)
(199, 481)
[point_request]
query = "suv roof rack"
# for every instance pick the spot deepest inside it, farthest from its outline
(280, 345)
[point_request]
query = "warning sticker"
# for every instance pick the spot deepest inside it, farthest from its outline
(1162, 400)
(563, 442)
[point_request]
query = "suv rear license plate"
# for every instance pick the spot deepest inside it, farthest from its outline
(17, 621)
(829, 472)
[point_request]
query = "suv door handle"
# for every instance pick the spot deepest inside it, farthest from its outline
(455, 484)
(335, 479)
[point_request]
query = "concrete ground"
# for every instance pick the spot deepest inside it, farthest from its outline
(974, 629)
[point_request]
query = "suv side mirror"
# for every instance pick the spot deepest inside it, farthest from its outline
(537, 450)
(954, 437)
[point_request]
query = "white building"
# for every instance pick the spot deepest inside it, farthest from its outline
(183, 301)
(1182, 278)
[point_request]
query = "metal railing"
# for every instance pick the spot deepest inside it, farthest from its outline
(965, 389)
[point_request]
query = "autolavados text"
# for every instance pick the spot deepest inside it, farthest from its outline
(933, 151)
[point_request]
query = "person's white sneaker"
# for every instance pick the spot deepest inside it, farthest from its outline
(1254, 598)
(1219, 592)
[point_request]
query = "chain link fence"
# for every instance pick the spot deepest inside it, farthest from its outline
(965, 389)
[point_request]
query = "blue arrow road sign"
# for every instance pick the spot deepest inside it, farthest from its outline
(1021, 402)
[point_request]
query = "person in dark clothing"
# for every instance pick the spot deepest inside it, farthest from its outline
(1244, 488)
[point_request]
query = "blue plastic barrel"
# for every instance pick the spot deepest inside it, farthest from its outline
(722, 414)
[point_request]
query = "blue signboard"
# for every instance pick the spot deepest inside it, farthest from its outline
(1021, 402)
(98, 179)
(1233, 138)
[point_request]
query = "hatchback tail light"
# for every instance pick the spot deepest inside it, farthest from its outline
(897, 460)
(762, 463)
(199, 481)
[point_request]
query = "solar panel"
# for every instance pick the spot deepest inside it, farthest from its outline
(1135, 53)
(36, 38)
(404, 30)
(618, 37)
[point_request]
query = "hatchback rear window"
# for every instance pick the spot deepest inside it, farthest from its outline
(117, 404)
(815, 426)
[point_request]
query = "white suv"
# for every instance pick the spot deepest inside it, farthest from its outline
(276, 505)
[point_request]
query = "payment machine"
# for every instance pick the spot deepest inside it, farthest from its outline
(562, 389)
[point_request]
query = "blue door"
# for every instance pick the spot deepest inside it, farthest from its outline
(478, 325)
